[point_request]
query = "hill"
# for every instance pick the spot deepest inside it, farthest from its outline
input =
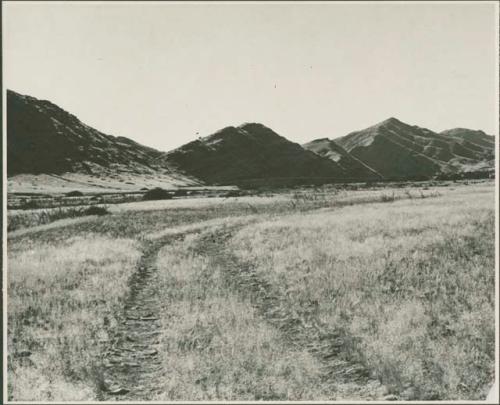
(49, 149)
(330, 149)
(478, 146)
(43, 140)
(400, 151)
(253, 154)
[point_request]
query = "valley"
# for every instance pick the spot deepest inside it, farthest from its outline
(243, 266)
(324, 294)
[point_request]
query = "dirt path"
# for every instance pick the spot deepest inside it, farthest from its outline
(132, 367)
(341, 364)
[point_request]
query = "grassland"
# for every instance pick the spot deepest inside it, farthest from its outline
(63, 297)
(412, 282)
(219, 347)
(404, 278)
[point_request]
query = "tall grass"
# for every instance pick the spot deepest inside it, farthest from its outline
(412, 281)
(26, 219)
(62, 299)
(215, 346)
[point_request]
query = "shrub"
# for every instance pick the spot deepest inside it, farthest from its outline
(74, 193)
(96, 210)
(234, 193)
(387, 197)
(29, 204)
(157, 194)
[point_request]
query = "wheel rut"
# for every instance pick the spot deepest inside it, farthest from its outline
(131, 367)
(342, 367)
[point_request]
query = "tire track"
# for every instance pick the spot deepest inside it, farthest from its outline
(131, 367)
(342, 365)
(131, 364)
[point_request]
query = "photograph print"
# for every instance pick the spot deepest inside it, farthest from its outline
(250, 201)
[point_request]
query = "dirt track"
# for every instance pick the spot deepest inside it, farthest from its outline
(131, 365)
(348, 378)
(132, 368)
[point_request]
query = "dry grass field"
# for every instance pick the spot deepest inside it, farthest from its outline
(307, 295)
(411, 282)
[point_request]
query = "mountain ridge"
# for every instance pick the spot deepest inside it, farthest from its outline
(395, 149)
(44, 139)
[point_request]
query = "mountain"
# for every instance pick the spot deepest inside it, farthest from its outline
(397, 150)
(253, 154)
(475, 140)
(49, 148)
(43, 139)
(330, 149)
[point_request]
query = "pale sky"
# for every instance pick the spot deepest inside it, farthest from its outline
(165, 73)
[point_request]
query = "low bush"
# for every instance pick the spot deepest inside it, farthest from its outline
(234, 193)
(96, 210)
(387, 197)
(156, 194)
(74, 193)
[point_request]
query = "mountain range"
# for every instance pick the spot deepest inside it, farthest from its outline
(395, 150)
(47, 146)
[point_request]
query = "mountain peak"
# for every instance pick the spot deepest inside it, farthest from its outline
(320, 140)
(390, 120)
(256, 127)
(42, 139)
(252, 154)
(252, 124)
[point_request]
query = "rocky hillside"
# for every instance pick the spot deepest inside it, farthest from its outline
(253, 154)
(396, 150)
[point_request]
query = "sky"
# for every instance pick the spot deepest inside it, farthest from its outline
(166, 73)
